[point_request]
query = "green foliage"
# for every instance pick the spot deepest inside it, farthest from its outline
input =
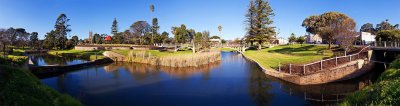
(388, 35)
(331, 25)
(19, 60)
(114, 27)
(118, 38)
(215, 37)
(368, 27)
(385, 25)
(259, 20)
(301, 39)
(384, 91)
(181, 33)
(22, 88)
(292, 38)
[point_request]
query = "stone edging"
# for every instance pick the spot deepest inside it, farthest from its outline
(48, 71)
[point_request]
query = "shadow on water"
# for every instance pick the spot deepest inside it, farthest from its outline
(233, 81)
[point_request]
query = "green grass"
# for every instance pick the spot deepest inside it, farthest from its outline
(156, 53)
(79, 53)
(227, 49)
(385, 91)
(288, 54)
(19, 87)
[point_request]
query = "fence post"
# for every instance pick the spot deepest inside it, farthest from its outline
(290, 68)
(304, 69)
(350, 57)
(384, 43)
(279, 67)
(321, 64)
(336, 60)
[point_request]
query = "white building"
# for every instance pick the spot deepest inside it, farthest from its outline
(366, 37)
(282, 41)
(313, 39)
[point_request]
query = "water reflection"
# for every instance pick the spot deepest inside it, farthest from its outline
(46, 59)
(233, 81)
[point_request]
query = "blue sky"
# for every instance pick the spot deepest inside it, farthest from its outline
(97, 15)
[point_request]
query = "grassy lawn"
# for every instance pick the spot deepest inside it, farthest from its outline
(154, 52)
(19, 87)
(79, 53)
(384, 92)
(288, 54)
(227, 49)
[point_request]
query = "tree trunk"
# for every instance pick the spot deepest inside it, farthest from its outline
(259, 46)
(4, 49)
(329, 44)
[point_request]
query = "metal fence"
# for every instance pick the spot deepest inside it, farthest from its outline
(322, 64)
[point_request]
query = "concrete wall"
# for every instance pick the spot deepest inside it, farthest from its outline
(343, 72)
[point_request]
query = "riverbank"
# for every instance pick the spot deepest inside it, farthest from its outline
(89, 55)
(20, 87)
(385, 91)
(172, 59)
(270, 58)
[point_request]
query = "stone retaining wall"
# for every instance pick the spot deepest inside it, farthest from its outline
(48, 71)
(343, 72)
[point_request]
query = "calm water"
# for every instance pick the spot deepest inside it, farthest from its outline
(233, 81)
(46, 59)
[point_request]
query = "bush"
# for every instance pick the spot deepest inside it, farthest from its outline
(384, 91)
(22, 88)
(11, 59)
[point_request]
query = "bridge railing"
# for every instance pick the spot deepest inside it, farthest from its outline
(321, 65)
(386, 44)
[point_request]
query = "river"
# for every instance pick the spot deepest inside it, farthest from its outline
(232, 81)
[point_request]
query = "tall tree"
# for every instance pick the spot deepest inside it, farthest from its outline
(261, 21)
(152, 8)
(139, 29)
(22, 37)
(118, 38)
(192, 34)
(292, 38)
(164, 37)
(250, 20)
(5, 37)
(62, 29)
(114, 27)
(220, 29)
(329, 25)
(34, 39)
(181, 33)
(385, 25)
(50, 39)
(154, 29)
(75, 40)
(368, 27)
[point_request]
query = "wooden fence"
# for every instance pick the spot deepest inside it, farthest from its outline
(322, 64)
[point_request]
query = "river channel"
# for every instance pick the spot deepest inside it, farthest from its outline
(232, 81)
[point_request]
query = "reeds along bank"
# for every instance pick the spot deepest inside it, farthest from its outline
(181, 60)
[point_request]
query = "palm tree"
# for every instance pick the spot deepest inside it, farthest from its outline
(220, 29)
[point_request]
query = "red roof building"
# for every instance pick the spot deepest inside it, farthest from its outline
(108, 38)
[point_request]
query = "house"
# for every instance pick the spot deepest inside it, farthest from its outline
(366, 37)
(282, 41)
(216, 42)
(313, 39)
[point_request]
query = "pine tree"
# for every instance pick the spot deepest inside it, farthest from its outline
(154, 29)
(263, 22)
(114, 27)
(61, 29)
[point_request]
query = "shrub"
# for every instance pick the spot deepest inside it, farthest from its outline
(384, 91)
